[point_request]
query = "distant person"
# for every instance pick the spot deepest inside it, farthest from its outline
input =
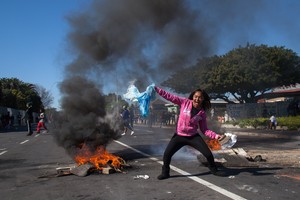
(131, 115)
(41, 123)
(29, 118)
(191, 118)
(7, 121)
(173, 113)
(163, 119)
(273, 122)
(126, 120)
(19, 117)
(150, 117)
(12, 120)
(226, 116)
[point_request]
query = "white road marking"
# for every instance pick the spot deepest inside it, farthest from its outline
(3, 152)
(24, 142)
(195, 178)
(3, 149)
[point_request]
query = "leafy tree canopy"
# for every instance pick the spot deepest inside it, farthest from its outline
(240, 75)
(45, 95)
(16, 94)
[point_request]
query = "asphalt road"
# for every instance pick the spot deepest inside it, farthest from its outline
(27, 163)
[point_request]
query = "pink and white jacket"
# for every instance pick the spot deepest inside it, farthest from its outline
(187, 126)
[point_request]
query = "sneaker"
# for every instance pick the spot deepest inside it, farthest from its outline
(165, 173)
(123, 133)
(132, 132)
(163, 176)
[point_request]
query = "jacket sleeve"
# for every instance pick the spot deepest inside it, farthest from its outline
(168, 96)
(203, 127)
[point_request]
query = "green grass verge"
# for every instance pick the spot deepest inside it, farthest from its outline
(292, 123)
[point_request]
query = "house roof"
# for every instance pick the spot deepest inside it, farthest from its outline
(281, 93)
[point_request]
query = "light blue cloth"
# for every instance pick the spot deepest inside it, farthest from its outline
(143, 98)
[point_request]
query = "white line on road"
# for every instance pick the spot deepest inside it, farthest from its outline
(24, 142)
(195, 178)
(3, 152)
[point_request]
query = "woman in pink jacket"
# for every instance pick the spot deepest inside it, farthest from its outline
(192, 115)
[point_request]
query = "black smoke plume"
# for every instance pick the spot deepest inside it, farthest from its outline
(83, 119)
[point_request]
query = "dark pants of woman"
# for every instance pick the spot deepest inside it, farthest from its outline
(177, 142)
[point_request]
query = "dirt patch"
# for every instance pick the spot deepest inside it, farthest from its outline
(287, 158)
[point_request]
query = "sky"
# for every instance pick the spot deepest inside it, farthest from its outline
(35, 37)
(32, 39)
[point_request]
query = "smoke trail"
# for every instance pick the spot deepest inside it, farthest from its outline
(83, 118)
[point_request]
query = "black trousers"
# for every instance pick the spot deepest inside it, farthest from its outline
(177, 142)
(29, 128)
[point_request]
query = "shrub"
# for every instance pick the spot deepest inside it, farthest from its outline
(292, 123)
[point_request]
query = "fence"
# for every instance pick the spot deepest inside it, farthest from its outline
(15, 116)
(254, 110)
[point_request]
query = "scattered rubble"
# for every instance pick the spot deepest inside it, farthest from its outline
(286, 158)
(84, 170)
(235, 157)
(238, 157)
(81, 170)
(141, 177)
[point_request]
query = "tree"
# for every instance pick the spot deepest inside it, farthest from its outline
(8, 98)
(185, 80)
(243, 73)
(16, 94)
(45, 95)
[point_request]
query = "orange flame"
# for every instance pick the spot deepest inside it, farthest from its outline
(213, 144)
(99, 158)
